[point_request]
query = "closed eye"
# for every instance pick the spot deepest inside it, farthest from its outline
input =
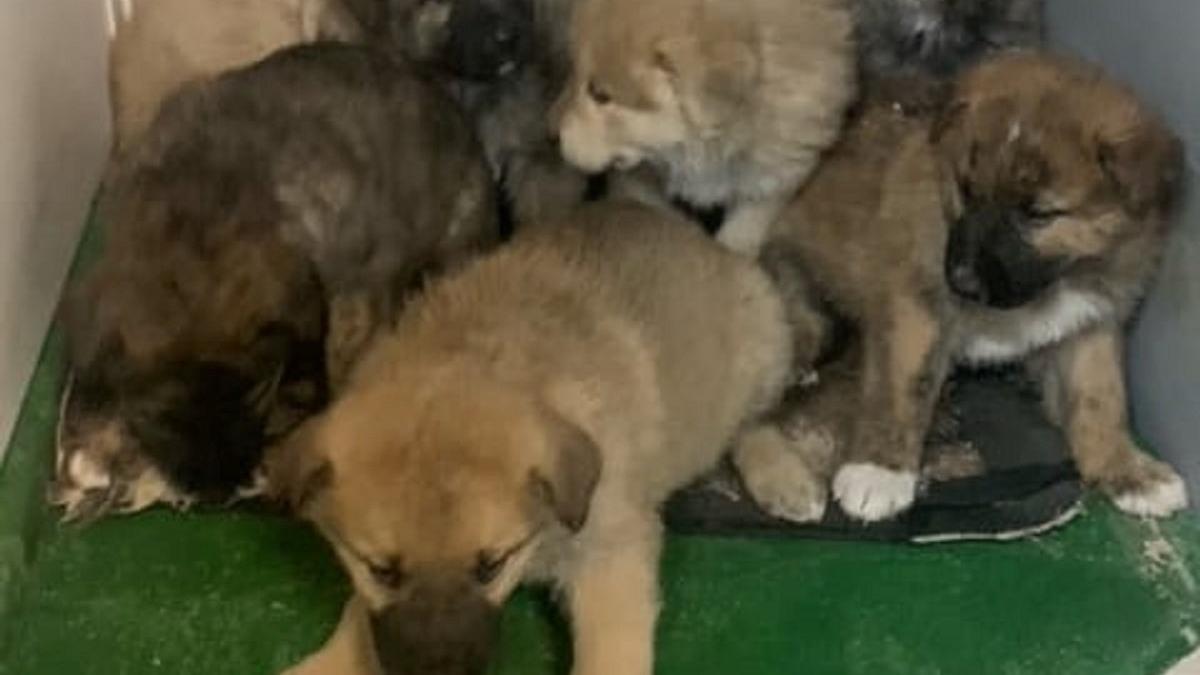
(489, 565)
(600, 95)
(1044, 214)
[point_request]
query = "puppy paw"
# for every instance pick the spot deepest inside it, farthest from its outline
(869, 492)
(779, 480)
(1150, 488)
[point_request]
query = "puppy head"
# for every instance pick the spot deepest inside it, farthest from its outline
(941, 36)
(650, 76)
(435, 501)
(161, 411)
(479, 40)
(1050, 169)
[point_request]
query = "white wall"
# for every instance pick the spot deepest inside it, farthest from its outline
(1153, 46)
(53, 141)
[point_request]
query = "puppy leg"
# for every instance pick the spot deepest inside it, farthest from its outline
(1087, 390)
(349, 650)
(745, 228)
(904, 367)
(786, 473)
(613, 598)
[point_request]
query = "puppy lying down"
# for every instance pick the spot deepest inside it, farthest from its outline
(523, 422)
(253, 236)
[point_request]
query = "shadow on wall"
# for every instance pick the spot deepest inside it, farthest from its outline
(53, 142)
(1153, 47)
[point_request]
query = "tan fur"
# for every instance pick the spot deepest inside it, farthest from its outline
(546, 401)
(163, 44)
(871, 229)
(733, 102)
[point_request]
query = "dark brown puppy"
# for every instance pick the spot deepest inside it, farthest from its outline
(504, 62)
(1026, 231)
(313, 188)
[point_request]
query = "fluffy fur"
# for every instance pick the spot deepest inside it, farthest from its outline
(1026, 230)
(160, 45)
(730, 102)
(940, 37)
(504, 61)
(264, 212)
(556, 393)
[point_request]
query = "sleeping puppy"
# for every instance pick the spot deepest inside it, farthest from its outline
(1026, 231)
(729, 102)
(159, 45)
(267, 221)
(504, 61)
(524, 422)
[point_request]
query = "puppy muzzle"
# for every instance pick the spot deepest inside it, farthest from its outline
(436, 630)
(989, 261)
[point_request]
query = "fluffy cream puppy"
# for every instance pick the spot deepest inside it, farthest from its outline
(731, 101)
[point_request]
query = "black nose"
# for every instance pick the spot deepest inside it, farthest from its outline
(966, 283)
(442, 631)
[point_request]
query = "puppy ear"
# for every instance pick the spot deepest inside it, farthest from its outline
(296, 469)
(1144, 160)
(573, 469)
(712, 79)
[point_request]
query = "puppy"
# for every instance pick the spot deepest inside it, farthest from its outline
(524, 422)
(730, 102)
(266, 213)
(159, 45)
(1025, 231)
(504, 61)
(940, 37)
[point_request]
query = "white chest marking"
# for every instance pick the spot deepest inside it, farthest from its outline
(1002, 341)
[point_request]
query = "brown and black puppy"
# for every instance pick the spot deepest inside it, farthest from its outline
(160, 45)
(1025, 231)
(264, 211)
(504, 61)
(523, 423)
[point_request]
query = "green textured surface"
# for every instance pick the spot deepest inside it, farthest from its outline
(247, 594)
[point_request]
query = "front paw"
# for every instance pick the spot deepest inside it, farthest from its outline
(779, 479)
(1142, 486)
(869, 492)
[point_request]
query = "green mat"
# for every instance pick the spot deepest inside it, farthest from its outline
(247, 594)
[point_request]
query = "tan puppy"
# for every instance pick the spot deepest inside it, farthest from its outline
(732, 101)
(161, 44)
(1025, 232)
(525, 421)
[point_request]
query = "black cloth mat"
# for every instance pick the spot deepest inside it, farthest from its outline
(1029, 483)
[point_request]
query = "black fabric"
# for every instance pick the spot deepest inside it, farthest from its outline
(1030, 482)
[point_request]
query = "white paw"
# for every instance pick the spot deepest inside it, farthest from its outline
(1158, 499)
(778, 479)
(869, 492)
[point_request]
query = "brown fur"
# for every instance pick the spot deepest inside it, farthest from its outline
(265, 210)
(526, 419)
(1082, 172)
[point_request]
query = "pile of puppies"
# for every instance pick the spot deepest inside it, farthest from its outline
(297, 292)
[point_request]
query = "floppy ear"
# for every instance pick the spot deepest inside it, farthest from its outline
(1144, 161)
(712, 79)
(297, 470)
(572, 470)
